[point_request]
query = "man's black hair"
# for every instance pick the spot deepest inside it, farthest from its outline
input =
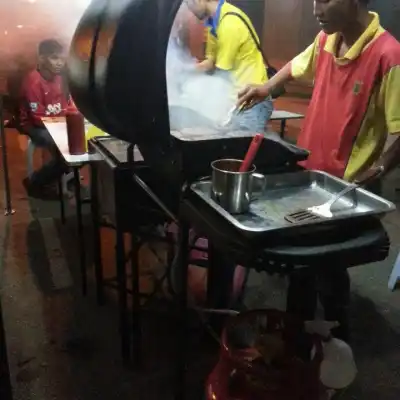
(50, 47)
(364, 2)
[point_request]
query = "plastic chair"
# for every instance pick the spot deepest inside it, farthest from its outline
(394, 278)
(29, 154)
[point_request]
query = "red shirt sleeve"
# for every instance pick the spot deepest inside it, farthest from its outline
(33, 104)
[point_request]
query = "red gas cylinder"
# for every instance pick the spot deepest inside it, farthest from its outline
(266, 355)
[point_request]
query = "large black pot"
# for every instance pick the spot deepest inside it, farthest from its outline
(116, 68)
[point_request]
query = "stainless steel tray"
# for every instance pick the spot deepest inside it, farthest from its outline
(289, 192)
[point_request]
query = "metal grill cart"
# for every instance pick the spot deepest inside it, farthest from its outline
(118, 80)
(119, 202)
(346, 241)
(135, 200)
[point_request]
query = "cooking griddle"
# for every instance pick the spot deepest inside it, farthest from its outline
(197, 148)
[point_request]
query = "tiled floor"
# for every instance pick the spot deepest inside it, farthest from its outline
(62, 346)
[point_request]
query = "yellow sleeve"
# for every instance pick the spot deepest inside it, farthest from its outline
(211, 46)
(391, 88)
(303, 65)
(231, 36)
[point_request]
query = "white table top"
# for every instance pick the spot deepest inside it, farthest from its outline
(57, 129)
(281, 114)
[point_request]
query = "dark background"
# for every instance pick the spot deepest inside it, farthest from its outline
(288, 26)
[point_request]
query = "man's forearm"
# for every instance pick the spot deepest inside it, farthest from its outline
(282, 77)
(390, 159)
(207, 65)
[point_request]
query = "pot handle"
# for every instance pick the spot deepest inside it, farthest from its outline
(216, 196)
(258, 185)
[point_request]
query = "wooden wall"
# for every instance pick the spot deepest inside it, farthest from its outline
(389, 11)
(289, 27)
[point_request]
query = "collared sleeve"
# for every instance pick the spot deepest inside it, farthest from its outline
(32, 101)
(392, 100)
(231, 36)
(303, 65)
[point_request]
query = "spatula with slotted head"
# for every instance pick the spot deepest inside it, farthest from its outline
(316, 213)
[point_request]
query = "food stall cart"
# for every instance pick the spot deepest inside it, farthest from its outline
(119, 83)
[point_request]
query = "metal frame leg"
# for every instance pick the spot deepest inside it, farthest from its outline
(302, 294)
(182, 336)
(5, 382)
(81, 239)
(98, 264)
(120, 258)
(61, 200)
(8, 209)
(136, 307)
(220, 276)
(333, 286)
(122, 295)
(283, 128)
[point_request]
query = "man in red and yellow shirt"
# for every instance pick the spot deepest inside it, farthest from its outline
(355, 66)
(43, 95)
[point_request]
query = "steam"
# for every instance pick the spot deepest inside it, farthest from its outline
(207, 99)
(26, 23)
(196, 98)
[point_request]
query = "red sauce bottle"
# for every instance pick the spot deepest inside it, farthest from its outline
(75, 131)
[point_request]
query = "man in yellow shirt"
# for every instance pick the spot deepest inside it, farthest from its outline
(231, 48)
(355, 66)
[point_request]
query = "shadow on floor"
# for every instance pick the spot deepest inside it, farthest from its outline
(63, 346)
(377, 352)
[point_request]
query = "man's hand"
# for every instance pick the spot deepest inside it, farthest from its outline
(386, 163)
(205, 66)
(252, 95)
(255, 94)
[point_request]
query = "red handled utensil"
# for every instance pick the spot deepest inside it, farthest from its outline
(251, 152)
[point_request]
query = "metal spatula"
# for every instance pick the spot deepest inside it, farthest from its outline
(324, 210)
(233, 111)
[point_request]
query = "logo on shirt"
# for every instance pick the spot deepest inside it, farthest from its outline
(33, 106)
(357, 87)
(53, 109)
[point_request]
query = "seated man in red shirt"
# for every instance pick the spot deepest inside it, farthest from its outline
(43, 95)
